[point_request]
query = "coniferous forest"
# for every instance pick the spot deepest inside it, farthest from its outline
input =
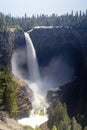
(73, 20)
(58, 117)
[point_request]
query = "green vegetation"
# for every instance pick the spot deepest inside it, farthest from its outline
(59, 119)
(42, 113)
(37, 128)
(75, 125)
(26, 22)
(8, 91)
(26, 127)
(54, 127)
(58, 116)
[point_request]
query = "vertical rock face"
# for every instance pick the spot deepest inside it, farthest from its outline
(24, 95)
(19, 39)
(6, 47)
(68, 42)
(10, 38)
(72, 46)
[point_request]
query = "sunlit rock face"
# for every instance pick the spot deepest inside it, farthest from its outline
(24, 98)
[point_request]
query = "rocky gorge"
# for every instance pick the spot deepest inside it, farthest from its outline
(51, 44)
(70, 45)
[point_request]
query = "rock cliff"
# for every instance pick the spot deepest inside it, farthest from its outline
(10, 39)
(68, 43)
(24, 98)
(71, 44)
(55, 42)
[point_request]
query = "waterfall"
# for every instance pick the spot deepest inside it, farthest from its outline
(34, 74)
(39, 103)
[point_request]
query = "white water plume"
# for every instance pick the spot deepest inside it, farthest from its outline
(34, 120)
(38, 114)
(32, 60)
(39, 101)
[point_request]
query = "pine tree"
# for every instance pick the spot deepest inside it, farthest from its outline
(75, 125)
(9, 91)
(58, 114)
(54, 127)
(10, 98)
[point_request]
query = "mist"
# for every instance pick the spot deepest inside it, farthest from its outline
(39, 79)
(57, 72)
(19, 63)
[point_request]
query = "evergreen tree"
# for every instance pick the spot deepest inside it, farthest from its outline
(54, 127)
(10, 98)
(2, 20)
(75, 125)
(9, 91)
(58, 114)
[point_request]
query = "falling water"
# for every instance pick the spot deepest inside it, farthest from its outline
(39, 104)
(34, 74)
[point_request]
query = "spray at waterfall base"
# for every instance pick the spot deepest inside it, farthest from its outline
(34, 73)
(40, 84)
(38, 114)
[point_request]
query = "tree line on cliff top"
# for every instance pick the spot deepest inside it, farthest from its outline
(74, 20)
